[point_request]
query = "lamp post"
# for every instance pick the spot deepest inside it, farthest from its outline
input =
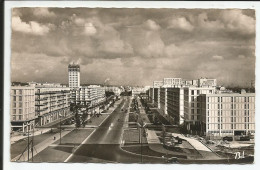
(141, 126)
(34, 125)
(60, 127)
(28, 141)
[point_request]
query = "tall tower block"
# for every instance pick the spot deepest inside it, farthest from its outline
(74, 75)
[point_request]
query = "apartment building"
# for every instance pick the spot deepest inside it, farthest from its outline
(88, 95)
(205, 82)
(175, 105)
(117, 91)
(156, 93)
(192, 108)
(138, 90)
(172, 82)
(74, 75)
(228, 114)
(22, 111)
(151, 95)
(163, 101)
(51, 103)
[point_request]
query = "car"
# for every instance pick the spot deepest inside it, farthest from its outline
(228, 138)
(210, 142)
(244, 138)
(172, 160)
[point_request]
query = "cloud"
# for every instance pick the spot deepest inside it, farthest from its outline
(231, 21)
(111, 43)
(89, 29)
(236, 21)
(151, 25)
(134, 44)
(241, 56)
(43, 12)
(217, 57)
(180, 23)
(32, 27)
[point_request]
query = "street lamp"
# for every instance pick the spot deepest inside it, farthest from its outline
(140, 137)
(60, 127)
(33, 139)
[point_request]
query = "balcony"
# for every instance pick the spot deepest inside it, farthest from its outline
(40, 99)
(40, 104)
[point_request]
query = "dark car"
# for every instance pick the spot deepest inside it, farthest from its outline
(172, 160)
(228, 138)
(244, 138)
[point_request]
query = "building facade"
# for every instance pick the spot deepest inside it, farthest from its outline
(163, 101)
(205, 82)
(228, 114)
(51, 103)
(156, 93)
(22, 111)
(138, 90)
(89, 95)
(172, 82)
(192, 108)
(74, 75)
(175, 105)
(116, 90)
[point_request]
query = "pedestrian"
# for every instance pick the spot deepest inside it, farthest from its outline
(54, 137)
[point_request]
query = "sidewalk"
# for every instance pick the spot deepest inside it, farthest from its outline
(37, 131)
(152, 138)
(39, 147)
(144, 116)
(201, 148)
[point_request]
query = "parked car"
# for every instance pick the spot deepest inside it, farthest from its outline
(172, 160)
(244, 138)
(228, 138)
(210, 142)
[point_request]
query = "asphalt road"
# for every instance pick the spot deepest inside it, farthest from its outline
(104, 142)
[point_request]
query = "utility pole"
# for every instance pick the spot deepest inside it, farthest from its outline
(32, 143)
(60, 128)
(28, 142)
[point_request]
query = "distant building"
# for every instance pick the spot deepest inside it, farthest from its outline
(156, 93)
(205, 82)
(74, 75)
(228, 114)
(138, 90)
(157, 84)
(116, 90)
(22, 111)
(172, 82)
(88, 95)
(151, 95)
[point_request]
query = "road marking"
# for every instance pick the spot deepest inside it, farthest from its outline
(79, 146)
(86, 139)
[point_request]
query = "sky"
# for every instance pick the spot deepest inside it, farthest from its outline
(133, 46)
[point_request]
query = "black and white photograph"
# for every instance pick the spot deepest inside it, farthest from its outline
(132, 85)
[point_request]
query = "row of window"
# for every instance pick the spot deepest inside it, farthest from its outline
(231, 119)
(230, 106)
(231, 126)
(230, 99)
(225, 113)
